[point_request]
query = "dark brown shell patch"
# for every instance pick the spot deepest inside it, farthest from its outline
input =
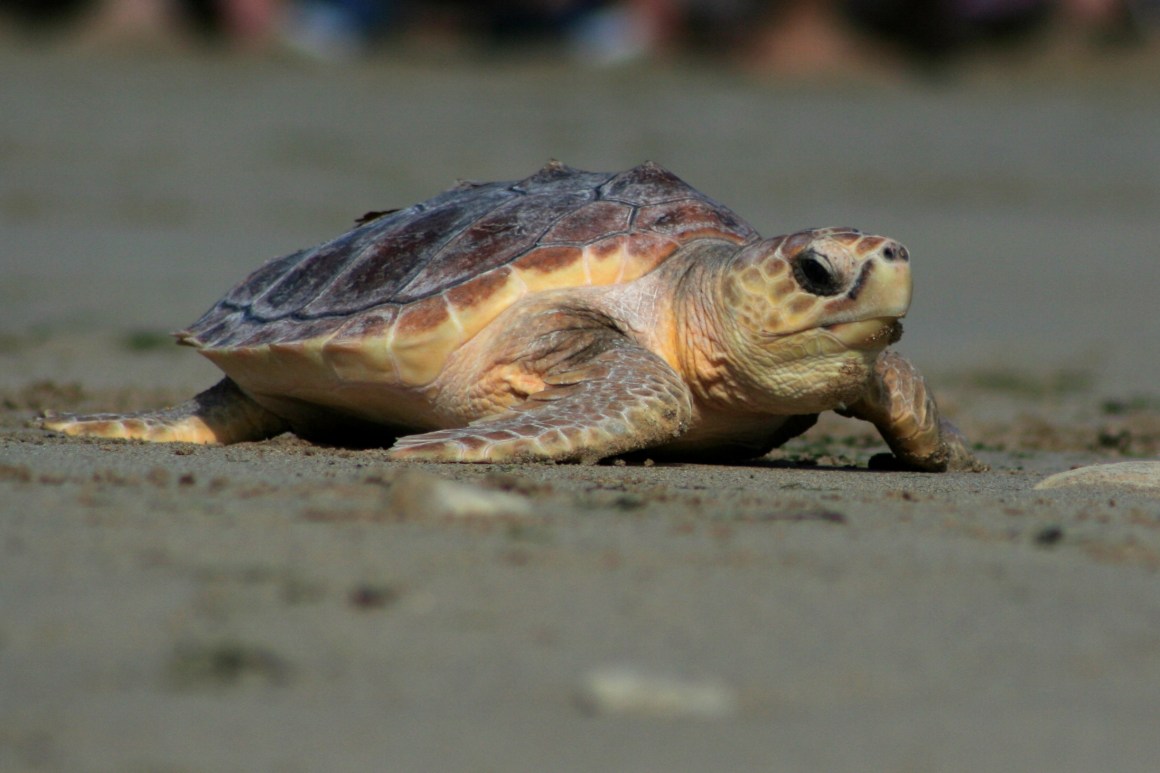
(644, 245)
(492, 241)
(306, 280)
(545, 260)
(478, 290)
(423, 315)
(606, 248)
(390, 261)
(691, 218)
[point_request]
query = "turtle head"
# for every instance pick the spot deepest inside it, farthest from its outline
(805, 315)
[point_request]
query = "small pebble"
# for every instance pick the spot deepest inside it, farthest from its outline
(415, 493)
(626, 690)
(366, 596)
(1139, 475)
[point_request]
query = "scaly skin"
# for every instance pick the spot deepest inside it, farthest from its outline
(221, 414)
(898, 402)
(621, 399)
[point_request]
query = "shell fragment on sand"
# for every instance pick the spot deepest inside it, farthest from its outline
(1137, 475)
(415, 493)
(627, 690)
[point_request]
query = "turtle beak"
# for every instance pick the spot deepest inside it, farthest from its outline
(883, 286)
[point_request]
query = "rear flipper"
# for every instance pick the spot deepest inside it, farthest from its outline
(903, 409)
(221, 414)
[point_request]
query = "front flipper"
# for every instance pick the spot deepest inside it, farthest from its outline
(622, 399)
(900, 405)
(221, 414)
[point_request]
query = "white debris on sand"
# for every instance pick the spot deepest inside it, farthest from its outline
(627, 690)
(1139, 475)
(417, 493)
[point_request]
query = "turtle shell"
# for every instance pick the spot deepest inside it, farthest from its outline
(419, 281)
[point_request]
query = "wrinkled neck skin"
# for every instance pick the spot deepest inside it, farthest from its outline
(733, 368)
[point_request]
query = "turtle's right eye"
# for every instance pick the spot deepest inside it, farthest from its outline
(815, 274)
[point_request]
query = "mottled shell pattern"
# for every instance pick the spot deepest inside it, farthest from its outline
(404, 289)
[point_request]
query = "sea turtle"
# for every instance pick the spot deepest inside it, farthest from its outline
(568, 316)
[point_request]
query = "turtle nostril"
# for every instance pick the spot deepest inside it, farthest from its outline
(894, 251)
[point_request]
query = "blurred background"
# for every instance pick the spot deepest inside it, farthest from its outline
(153, 152)
(782, 35)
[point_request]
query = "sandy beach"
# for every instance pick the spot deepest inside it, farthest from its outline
(279, 606)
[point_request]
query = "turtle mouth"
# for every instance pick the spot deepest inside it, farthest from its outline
(874, 333)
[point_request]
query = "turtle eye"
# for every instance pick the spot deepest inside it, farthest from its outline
(815, 274)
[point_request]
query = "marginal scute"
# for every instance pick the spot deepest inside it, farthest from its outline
(651, 249)
(298, 355)
(424, 335)
(550, 260)
(605, 266)
(478, 302)
(360, 351)
(608, 248)
(571, 274)
(479, 290)
(249, 366)
(625, 258)
(419, 317)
